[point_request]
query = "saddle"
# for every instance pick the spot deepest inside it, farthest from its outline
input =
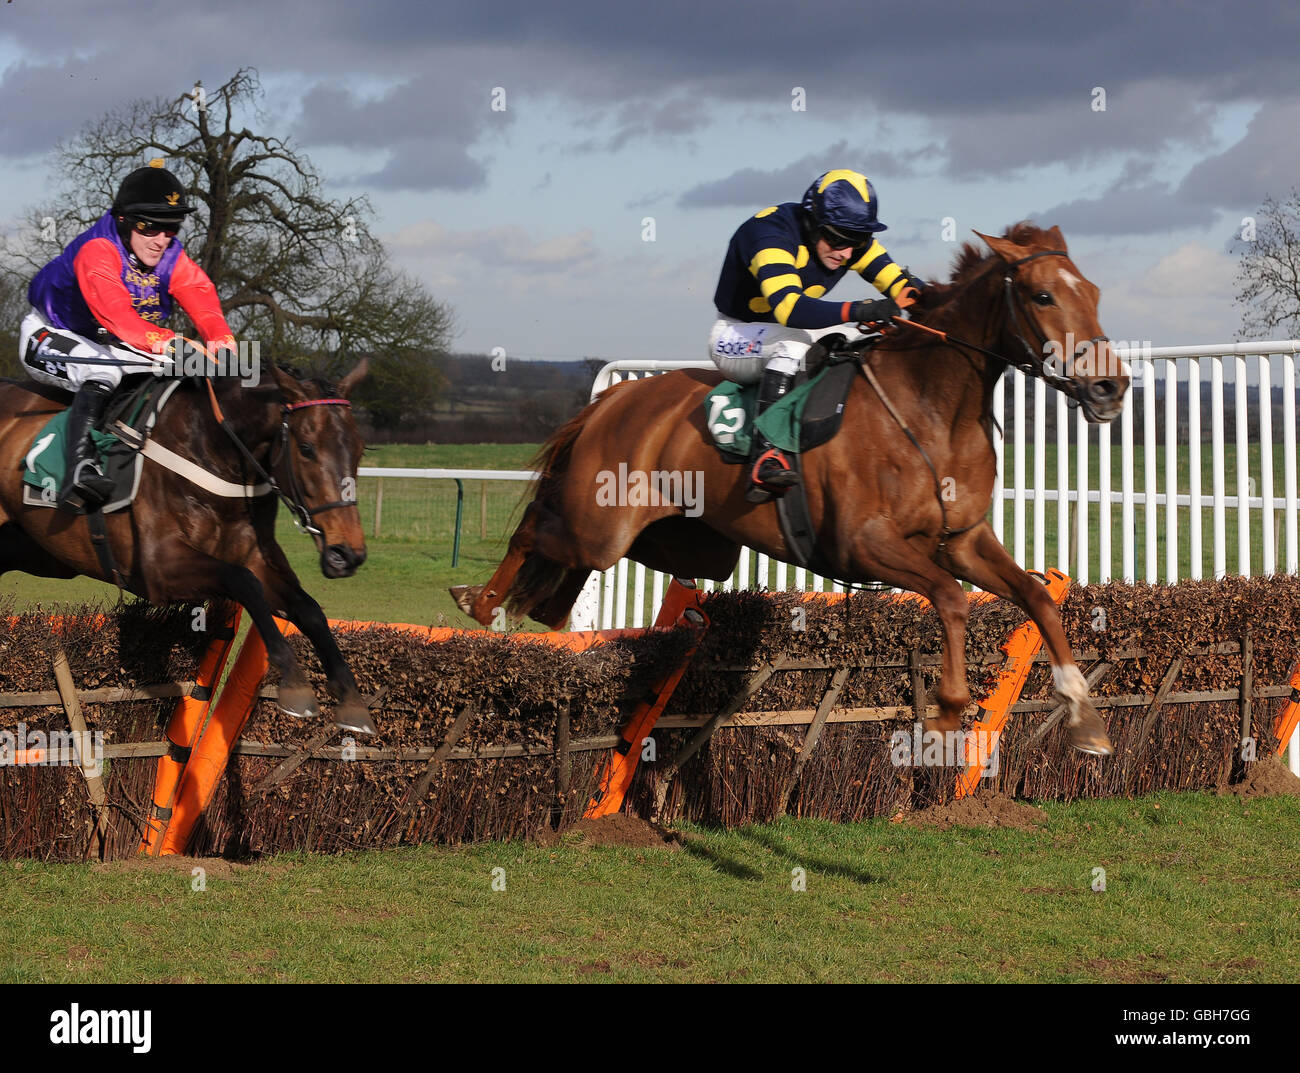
(805, 417)
(119, 438)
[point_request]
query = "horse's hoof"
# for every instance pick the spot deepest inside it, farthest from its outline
(355, 716)
(943, 724)
(298, 701)
(1089, 736)
(465, 595)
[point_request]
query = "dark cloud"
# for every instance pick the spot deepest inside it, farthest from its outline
(679, 115)
(424, 129)
(1145, 116)
(1127, 210)
(45, 104)
(750, 187)
(1266, 162)
(1004, 86)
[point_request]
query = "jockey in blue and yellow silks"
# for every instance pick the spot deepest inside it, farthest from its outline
(99, 309)
(779, 264)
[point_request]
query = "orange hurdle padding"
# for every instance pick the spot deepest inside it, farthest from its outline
(186, 722)
(1021, 648)
(681, 607)
(211, 753)
(1289, 717)
(577, 641)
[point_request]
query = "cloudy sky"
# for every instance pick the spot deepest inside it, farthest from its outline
(520, 155)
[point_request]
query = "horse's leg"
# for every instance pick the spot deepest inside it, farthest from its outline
(481, 601)
(881, 552)
(979, 557)
(303, 611)
(554, 611)
(295, 694)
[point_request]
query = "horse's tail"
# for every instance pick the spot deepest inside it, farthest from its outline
(539, 580)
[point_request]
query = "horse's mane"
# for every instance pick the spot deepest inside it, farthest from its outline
(971, 259)
(327, 388)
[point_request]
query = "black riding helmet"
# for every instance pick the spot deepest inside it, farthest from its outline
(150, 195)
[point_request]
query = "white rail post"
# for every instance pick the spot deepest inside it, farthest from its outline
(1040, 475)
(1081, 504)
(1103, 502)
(1062, 484)
(1018, 412)
(1171, 470)
(1241, 420)
(1149, 440)
(1194, 467)
(1268, 564)
(1217, 462)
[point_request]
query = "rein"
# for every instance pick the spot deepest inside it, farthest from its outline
(294, 500)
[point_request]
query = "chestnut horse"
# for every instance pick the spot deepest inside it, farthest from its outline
(180, 541)
(880, 512)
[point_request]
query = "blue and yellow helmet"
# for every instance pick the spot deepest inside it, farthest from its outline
(844, 203)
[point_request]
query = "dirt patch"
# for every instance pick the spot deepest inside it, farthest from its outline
(213, 867)
(616, 830)
(982, 810)
(1266, 778)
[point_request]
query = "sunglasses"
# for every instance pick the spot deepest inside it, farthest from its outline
(151, 229)
(839, 240)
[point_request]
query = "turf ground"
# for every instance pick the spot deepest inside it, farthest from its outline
(1197, 889)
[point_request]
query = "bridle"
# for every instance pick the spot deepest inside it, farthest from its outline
(295, 500)
(1034, 363)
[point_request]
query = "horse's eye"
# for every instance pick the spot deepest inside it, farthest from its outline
(306, 449)
(1043, 298)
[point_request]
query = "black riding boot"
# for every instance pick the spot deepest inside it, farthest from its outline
(771, 473)
(85, 488)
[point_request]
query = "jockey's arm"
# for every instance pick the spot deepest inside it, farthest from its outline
(191, 288)
(881, 271)
(98, 266)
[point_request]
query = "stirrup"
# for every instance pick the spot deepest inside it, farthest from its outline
(85, 492)
(763, 486)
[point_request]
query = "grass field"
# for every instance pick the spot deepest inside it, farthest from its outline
(1198, 888)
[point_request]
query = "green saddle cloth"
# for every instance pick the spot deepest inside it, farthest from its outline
(44, 465)
(729, 414)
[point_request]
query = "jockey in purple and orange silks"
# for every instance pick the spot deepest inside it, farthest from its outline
(769, 297)
(99, 309)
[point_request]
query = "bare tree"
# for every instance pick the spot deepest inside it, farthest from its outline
(297, 271)
(1268, 277)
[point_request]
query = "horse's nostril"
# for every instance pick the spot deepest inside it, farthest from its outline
(1105, 390)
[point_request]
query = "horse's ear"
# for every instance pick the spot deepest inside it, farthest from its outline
(1056, 239)
(354, 377)
(1004, 247)
(290, 386)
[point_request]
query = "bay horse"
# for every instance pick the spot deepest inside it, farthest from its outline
(881, 510)
(181, 541)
